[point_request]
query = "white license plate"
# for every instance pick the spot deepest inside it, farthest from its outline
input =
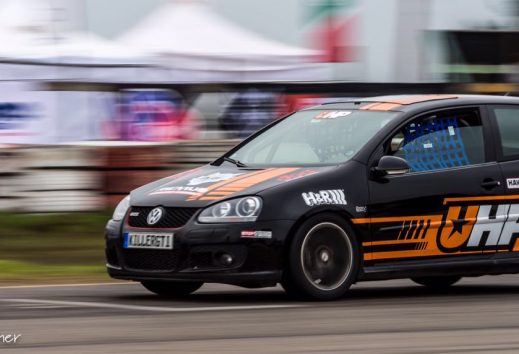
(148, 240)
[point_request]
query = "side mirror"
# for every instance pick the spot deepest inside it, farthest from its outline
(391, 166)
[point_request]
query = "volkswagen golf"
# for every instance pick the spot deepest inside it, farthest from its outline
(422, 186)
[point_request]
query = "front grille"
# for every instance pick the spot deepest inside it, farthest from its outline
(173, 217)
(157, 260)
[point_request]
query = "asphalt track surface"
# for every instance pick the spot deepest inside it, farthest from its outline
(479, 315)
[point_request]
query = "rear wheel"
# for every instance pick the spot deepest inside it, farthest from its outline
(323, 259)
(437, 283)
(172, 289)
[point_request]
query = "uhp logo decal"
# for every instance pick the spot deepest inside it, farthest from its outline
(481, 226)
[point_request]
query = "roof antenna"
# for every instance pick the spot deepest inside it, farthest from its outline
(507, 94)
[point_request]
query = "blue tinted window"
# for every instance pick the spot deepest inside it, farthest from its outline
(443, 140)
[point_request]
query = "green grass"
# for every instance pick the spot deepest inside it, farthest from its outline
(52, 247)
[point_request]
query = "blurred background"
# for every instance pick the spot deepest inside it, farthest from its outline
(98, 97)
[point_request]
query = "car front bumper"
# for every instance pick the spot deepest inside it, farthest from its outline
(198, 251)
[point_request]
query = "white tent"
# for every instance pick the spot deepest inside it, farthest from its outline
(190, 37)
(36, 46)
(180, 42)
(68, 48)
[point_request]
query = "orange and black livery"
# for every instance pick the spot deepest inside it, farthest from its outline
(414, 186)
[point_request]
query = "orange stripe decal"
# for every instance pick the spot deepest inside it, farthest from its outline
(380, 106)
(516, 246)
(386, 106)
(434, 218)
(396, 102)
(446, 234)
(223, 183)
(238, 184)
(369, 106)
(418, 253)
(486, 198)
(387, 242)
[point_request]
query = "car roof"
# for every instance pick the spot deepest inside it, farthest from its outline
(403, 103)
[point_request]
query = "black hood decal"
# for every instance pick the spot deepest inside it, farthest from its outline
(209, 184)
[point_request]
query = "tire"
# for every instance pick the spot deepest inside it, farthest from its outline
(437, 283)
(172, 289)
(323, 259)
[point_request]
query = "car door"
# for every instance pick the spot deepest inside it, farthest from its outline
(444, 205)
(505, 120)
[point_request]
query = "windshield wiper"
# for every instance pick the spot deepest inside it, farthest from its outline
(233, 161)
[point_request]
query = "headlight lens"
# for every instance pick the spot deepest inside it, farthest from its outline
(236, 210)
(221, 210)
(247, 207)
(121, 209)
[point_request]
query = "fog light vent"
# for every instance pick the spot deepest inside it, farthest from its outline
(226, 259)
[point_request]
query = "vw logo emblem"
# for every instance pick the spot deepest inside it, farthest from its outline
(155, 215)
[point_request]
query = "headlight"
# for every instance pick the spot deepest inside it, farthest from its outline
(236, 210)
(121, 209)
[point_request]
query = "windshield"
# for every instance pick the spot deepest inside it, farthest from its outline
(316, 137)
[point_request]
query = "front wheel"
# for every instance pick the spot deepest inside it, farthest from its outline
(437, 283)
(323, 259)
(172, 289)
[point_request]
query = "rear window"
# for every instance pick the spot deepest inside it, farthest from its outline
(508, 124)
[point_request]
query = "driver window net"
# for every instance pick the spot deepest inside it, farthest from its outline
(434, 144)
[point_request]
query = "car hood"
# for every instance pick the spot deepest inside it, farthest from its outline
(210, 184)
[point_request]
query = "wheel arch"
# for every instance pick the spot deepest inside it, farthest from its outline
(347, 217)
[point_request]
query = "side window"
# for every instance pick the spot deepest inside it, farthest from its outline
(508, 124)
(440, 140)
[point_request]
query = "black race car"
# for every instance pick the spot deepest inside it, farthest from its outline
(421, 187)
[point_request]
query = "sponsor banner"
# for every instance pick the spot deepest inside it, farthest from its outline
(26, 114)
(154, 115)
(31, 115)
(83, 115)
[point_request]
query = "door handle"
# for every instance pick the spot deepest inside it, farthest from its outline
(489, 184)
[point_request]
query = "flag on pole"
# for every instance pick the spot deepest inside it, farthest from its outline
(333, 29)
